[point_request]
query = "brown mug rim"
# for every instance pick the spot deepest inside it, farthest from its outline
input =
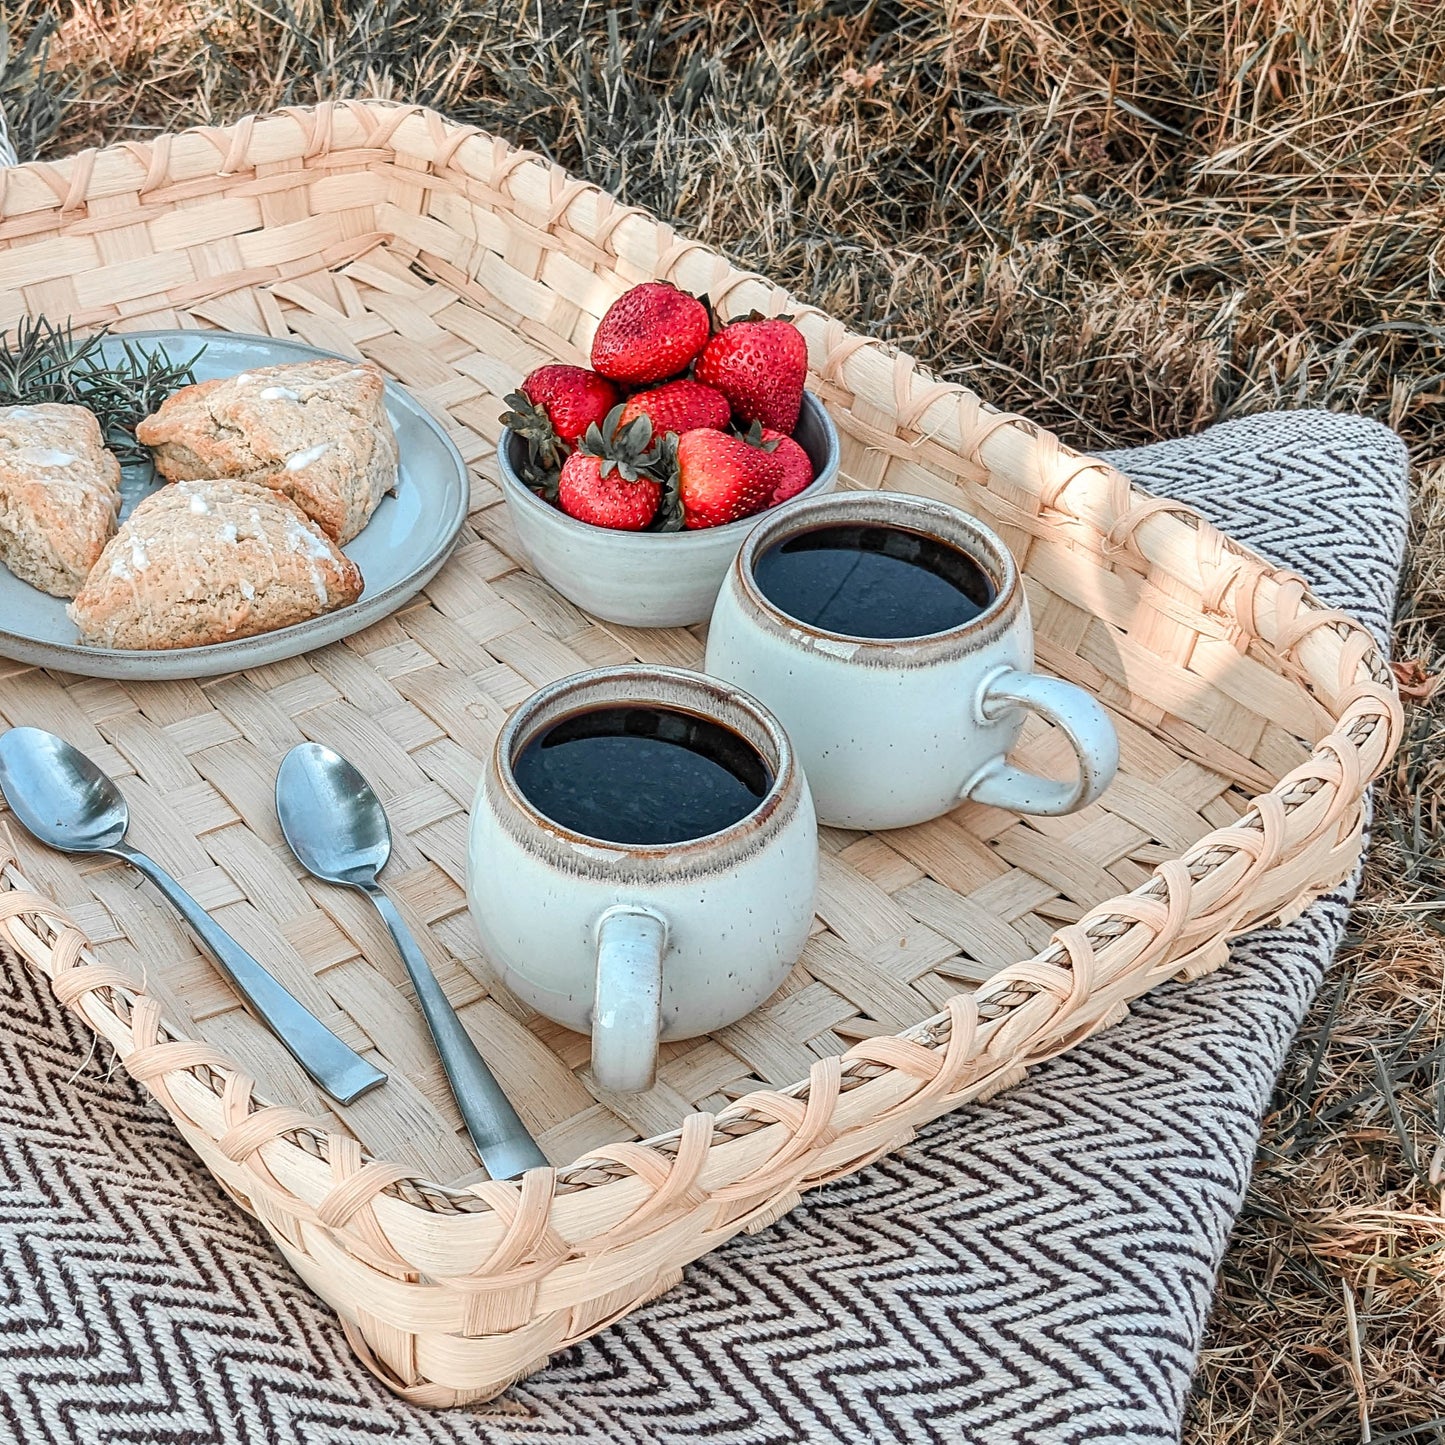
(923, 516)
(571, 694)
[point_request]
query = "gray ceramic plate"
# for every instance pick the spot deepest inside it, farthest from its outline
(401, 549)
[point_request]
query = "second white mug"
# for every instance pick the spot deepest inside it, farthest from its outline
(894, 730)
(629, 940)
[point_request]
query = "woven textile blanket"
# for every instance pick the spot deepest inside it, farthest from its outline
(1037, 1269)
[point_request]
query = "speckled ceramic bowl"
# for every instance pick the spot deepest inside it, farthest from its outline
(646, 579)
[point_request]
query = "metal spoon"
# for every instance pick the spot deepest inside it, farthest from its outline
(61, 797)
(337, 828)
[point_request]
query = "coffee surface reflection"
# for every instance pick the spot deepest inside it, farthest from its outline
(643, 775)
(872, 581)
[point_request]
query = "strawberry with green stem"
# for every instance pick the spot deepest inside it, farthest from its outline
(572, 397)
(796, 463)
(607, 481)
(551, 412)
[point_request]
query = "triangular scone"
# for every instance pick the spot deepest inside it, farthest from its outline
(59, 494)
(315, 430)
(203, 562)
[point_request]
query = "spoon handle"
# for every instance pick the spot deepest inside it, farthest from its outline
(332, 1063)
(500, 1137)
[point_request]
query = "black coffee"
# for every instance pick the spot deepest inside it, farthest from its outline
(641, 775)
(873, 581)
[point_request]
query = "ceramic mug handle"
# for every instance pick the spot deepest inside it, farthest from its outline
(627, 1011)
(1076, 714)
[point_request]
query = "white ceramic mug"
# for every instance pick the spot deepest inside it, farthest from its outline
(642, 943)
(895, 731)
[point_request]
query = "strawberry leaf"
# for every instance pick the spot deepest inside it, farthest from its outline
(636, 436)
(669, 509)
(592, 442)
(541, 480)
(663, 461)
(546, 451)
(612, 421)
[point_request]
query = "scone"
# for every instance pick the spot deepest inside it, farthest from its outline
(315, 430)
(203, 562)
(59, 494)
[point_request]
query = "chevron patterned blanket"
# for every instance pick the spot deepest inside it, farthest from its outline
(1034, 1270)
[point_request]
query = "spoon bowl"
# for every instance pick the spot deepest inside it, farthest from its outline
(331, 817)
(58, 794)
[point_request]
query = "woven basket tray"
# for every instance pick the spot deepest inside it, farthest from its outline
(946, 958)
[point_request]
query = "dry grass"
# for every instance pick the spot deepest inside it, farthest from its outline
(1127, 218)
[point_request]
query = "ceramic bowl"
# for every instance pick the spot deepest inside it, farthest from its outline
(646, 579)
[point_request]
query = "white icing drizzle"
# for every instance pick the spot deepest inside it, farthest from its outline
(298, 460)
(247, 590)
(278, 393)
(227, 532)
(198, 505)
(300, 538)
(307, 544)
(126, 565)
(41, 457)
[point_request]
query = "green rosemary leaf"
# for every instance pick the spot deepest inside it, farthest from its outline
(43, 361)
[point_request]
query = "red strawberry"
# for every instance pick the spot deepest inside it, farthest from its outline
(649, 332)
(760, 366)
(679, 406)
(572, 397)
(606, 498)
(551, 412)
(797, 466)
(721, 477)
(605, 480)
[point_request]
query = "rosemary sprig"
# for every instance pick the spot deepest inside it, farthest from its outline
(44, 361)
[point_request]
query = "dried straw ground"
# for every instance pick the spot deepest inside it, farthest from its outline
(1127, 218)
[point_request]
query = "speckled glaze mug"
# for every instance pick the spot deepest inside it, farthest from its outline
(642, 943)
(895, 731)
